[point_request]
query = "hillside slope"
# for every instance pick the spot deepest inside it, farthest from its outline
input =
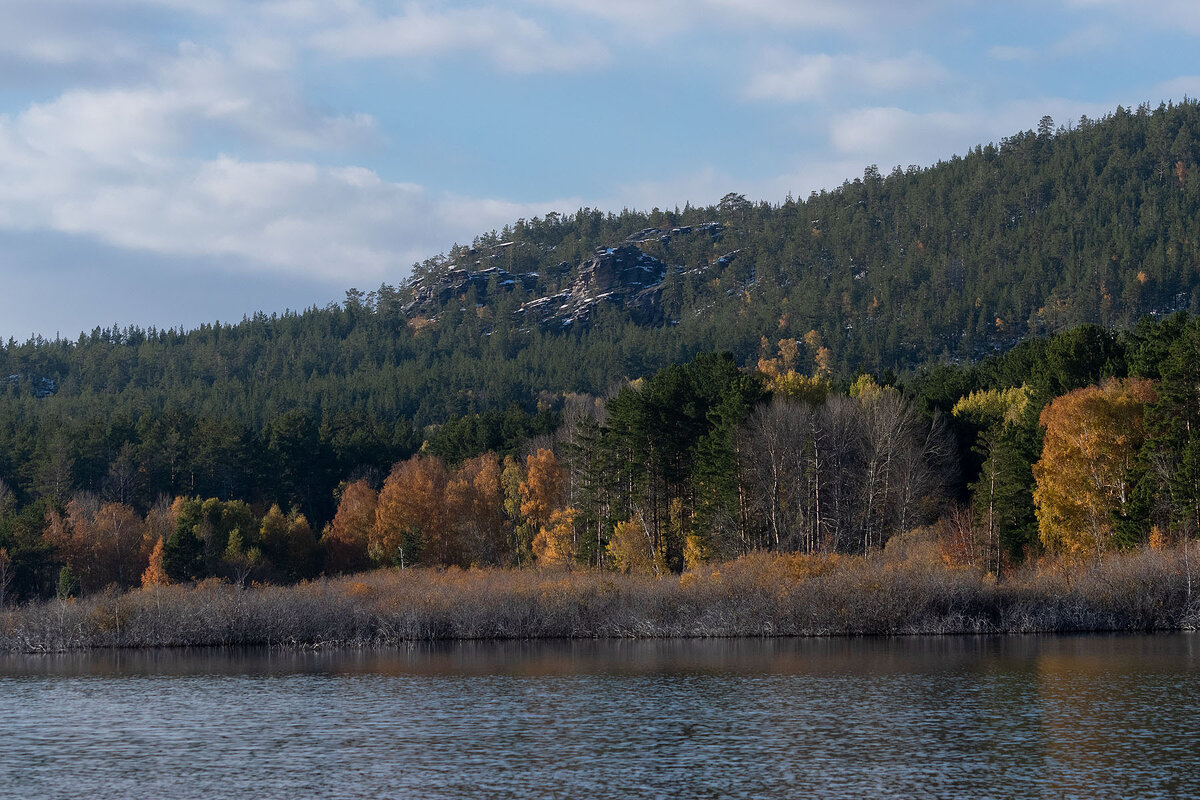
(1095, 222)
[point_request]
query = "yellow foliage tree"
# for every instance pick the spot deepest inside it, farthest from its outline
(1092, 435)
(767, 365)
(273, 533)
(544, 488)
(800, 388)
(631, 549)
(822, 357)
(511, 478)
(555, 545)
(987, 407)
(788, 350)
(782, 364)
(865, 389)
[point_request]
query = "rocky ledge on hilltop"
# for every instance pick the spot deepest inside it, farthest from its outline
(436, 292)
(623, 276)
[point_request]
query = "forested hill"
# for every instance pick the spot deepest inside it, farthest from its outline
(1096, 221)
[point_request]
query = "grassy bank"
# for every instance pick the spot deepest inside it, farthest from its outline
(760, 595)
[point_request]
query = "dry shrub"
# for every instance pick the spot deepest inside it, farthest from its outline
(905, 589)
(918, 546)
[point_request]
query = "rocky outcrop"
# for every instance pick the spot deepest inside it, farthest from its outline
(623, 276)
(664, 235)
(435, 292)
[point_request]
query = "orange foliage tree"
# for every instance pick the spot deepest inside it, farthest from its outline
(100, 544)
(410, 517)
(543, 500)
(544, 488)
(346, 540)
(475, 503)
(155, 574)
(1092, 437)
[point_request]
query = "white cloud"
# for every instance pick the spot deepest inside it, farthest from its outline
(511, 41)
(889, 135)
(1176, 15)
(291, 217)
(791, 78)
(665, 17)
(197, 92)
(126, 167)
(91, 33)
(1176, 88)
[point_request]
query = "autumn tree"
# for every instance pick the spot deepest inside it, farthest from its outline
(544, 488)
(821, 355)
(101, 544)
(159, 520)
(1083, 477)
(410, 517)
(155, 573)
(475, 504)
(521, 542)
(800, 388)
(555, 544)
(631, 549)
(241, 561)
(121, 549)
(543, 495)
(347, 538)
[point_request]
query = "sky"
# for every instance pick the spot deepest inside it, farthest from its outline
(174, 162)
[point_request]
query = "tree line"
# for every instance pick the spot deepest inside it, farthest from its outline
(1066, 447)
(1095, 221)
(959, 287)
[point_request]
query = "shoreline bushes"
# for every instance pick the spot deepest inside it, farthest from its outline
(906, 589)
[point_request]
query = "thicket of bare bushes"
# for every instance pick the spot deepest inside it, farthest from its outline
(906, 589)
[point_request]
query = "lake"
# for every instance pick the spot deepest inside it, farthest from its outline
(972, 717)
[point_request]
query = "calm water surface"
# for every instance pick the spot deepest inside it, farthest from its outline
(1038, 717)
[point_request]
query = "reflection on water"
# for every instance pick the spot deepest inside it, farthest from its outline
(1052, 717)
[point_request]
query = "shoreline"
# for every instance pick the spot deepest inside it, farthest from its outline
(758, 596)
